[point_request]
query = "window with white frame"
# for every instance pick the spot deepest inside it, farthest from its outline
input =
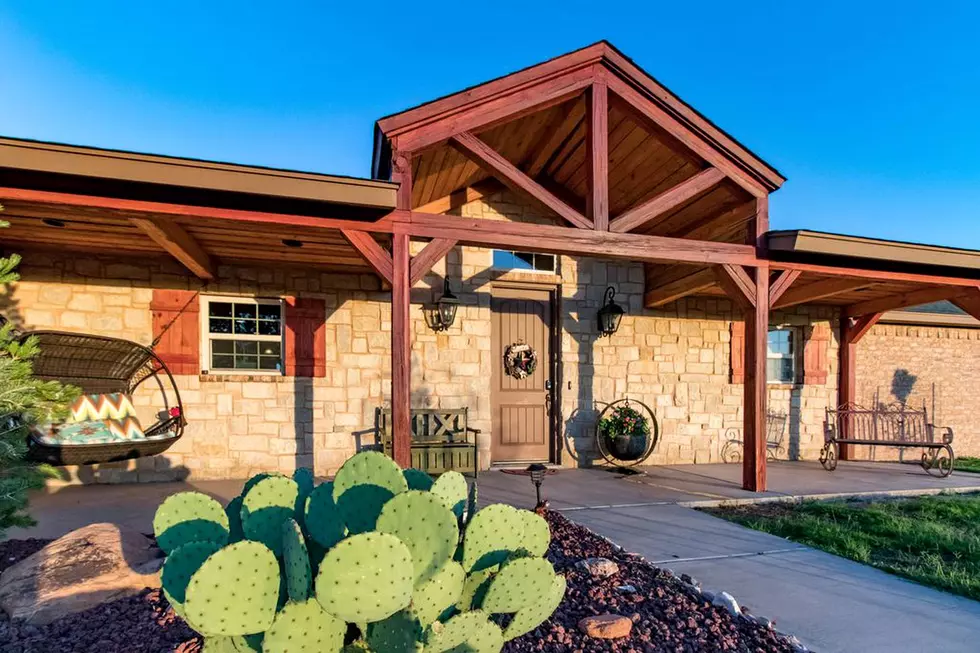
(241, 334)
(524, 261)
(781, 356)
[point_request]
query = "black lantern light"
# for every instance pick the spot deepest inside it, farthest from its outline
(442, 314)
(610, 314)
(537, 472)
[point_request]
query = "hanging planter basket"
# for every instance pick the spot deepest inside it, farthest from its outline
(626, 432)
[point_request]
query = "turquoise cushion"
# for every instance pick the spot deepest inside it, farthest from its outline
(95, 432)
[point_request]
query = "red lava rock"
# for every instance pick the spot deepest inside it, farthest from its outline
(606, 626)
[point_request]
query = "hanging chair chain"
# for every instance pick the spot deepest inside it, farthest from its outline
(177, 316)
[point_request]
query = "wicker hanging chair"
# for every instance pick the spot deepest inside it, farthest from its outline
(103, 365)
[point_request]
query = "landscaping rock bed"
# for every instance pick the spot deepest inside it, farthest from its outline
(667, 614)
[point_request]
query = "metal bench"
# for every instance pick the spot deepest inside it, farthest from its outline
(442, 439)
(775, 435)
(896, 425)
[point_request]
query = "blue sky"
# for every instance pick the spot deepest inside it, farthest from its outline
(869, 108)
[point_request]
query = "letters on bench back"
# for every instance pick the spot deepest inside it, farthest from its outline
(442, 439)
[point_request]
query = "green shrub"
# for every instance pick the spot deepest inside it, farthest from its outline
(361, 561)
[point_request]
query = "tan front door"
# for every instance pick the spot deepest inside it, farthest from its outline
(521, 420)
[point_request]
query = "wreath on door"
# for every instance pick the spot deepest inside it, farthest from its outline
(520, 360)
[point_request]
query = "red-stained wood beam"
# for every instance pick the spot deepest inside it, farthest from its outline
(656, 296)
(371, 251)
(737, 284)
(494, 163)
(783, 281)
(646, 213)
(597, 147)
(433, 252)
(756, 392)
(562, 240)
(851, 332)
(401, 324)
(178, 243)
(903, 300)
(709, 226)
(823, 289)
(969, 302)
(876, 275)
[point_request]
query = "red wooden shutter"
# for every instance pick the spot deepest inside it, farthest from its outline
(176, 315)
(306, 336)
(815, 362)
(737, 349)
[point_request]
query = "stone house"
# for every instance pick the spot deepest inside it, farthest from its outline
(290, 306)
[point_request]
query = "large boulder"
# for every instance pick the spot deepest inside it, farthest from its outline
(92, 565)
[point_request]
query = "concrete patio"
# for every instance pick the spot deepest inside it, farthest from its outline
(831, 604)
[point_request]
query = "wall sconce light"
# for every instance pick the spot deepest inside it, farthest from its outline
(442, 314)
(610, 314)
(537, 472)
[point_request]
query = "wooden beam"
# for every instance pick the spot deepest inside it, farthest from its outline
(597, 141)
(434, 251)
(755, 388)
(969, 302)
(494, 163)
(708, 227)
(401, 324)
(782, 283)
(851, 332)
(674, 290)
(562, 240)
(647, 212)
(371, 251)
(823, 289)
(181, 245)
(456, 199)
(760, 224)
(903, 300)
(877, 275)
(737, 284)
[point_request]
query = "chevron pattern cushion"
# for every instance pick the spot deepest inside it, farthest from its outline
(116, 406)
(128, 428)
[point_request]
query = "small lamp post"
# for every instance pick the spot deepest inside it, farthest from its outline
(442, 314)
(537, 472)
(610, 315)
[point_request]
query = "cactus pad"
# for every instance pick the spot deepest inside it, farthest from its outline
(472, 632)
(304, 626)
(491, 536)
(234, 512)
(180, 566)
(304, 479)
(189, 517)
(399, 633)
(295, 561)
(235, 591)
(267, 505)
(417, 479)
(217, 644)
(323, 520)
(474, 589)
(439, 594)
(452, 490)
(421, 521)
(366, 577)
(537, 533)
(250, 483)
(519, 584)
(530, 617)
(363, 485)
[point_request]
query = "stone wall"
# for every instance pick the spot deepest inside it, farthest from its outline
(935, 367)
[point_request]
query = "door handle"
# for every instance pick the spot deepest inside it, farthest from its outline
(547, 385)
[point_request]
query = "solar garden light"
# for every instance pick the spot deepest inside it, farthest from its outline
(610, 314)
(537, 472)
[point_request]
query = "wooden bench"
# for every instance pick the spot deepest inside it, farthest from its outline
(442, 439)
(888, 426)
(775, 435)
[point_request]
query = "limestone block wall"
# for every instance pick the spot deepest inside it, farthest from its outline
(938, 367)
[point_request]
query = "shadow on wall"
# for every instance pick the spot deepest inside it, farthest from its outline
(903, 382)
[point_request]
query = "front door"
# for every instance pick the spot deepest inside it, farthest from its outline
(521, 406)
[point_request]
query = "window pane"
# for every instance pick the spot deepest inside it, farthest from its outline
(222, 362)
(245, 327)
(219, 309)
(218, 325)
(787, 374)
(270, 349)
(246, 310)
(544, 262)
(222, 346)
(246, 347)
(246, 362)
(525, 260)
(270, 328)
(269, 363)
(269, 312)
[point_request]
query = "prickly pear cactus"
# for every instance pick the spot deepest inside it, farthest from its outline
(189, 517)
(408, 563)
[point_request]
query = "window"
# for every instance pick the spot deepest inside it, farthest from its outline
(781, 356)
(242, 335)
(524, 261)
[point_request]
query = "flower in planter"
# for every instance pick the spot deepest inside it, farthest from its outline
(625, 422)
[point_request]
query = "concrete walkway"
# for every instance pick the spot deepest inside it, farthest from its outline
(831, 604)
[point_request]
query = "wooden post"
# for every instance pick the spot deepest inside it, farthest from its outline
(754, 412)
(597, 147)
(401, 345)
(850, 335)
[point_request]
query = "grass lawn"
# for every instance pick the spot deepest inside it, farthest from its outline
(967, 464)
(932, 540)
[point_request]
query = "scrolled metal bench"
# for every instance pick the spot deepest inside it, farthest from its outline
(775, 437)
(897, 426)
